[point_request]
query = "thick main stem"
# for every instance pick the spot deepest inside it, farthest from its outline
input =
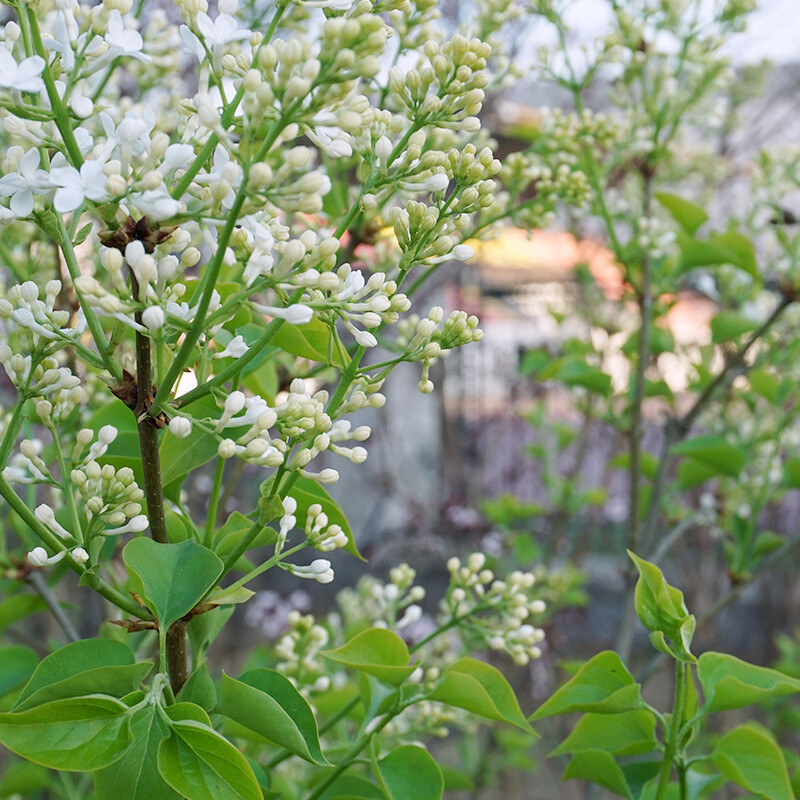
(153, 493)
(671, 745)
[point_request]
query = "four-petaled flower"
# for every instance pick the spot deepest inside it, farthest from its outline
(25, 76)
(21, 185)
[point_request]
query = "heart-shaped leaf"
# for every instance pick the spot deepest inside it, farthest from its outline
(409, 773)
(172, 578)
(89, 666)
(598, 767)
(749, 757)
(266, 702)
(629, 733)
(200, 764)
(377, 652)
(729, 682)
(136, 776)
(480, 688)
(602, 685)
(79, 735)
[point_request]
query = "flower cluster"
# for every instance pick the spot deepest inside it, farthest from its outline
(511, 603)
(425, 340)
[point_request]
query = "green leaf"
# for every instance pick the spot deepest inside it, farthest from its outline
(78, 735)
(598, 767)
(534, 361)
(307, 492)
(409, 773)
(630, 733)
(764, 383)
(692, 473)
(480, 688)
(23, 779)
(688, 215)
(728, 326)
(728, 682)
(661, 607)
(82, 233)
(203, 629)
(714, 452)
(315, 341)
(575, 371)
(602, 685)
(791, 473)
(352, 786)
(730, 247)
(18, 664)
(112, 681)
(199, 689)
(230, 534)
(61, 673)
(180, 456)
(376, 651)
(767, 542)
(266, 702)
(749, 757)
(172, 578)
(200, 764)
(136, 776)
(19, 606)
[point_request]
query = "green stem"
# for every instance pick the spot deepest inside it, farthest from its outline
(12, 429)
(92, 321)
(60, 113)
(211, 273)
(671, 748)
(270, 562)
(213, 503)
(242, 547)
(226, 118)
(239, 364)
(56, 545)
(350, 758)
(66, 488)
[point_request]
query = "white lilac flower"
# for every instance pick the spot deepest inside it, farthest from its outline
(155, 203)
(47, 517)
(38, 557)
(123, 41)
(176, 155)
(153, 318)
(236, 348)
(215, 35)
(220, 31)
(133, 131)
(25, 76)
(328, 137)
(318, 570)
(297, 314)
(333, 5)
(223, 169)
(21, 185)
(65, 32)
(73, 186)
(180, 427)
(134, 525)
